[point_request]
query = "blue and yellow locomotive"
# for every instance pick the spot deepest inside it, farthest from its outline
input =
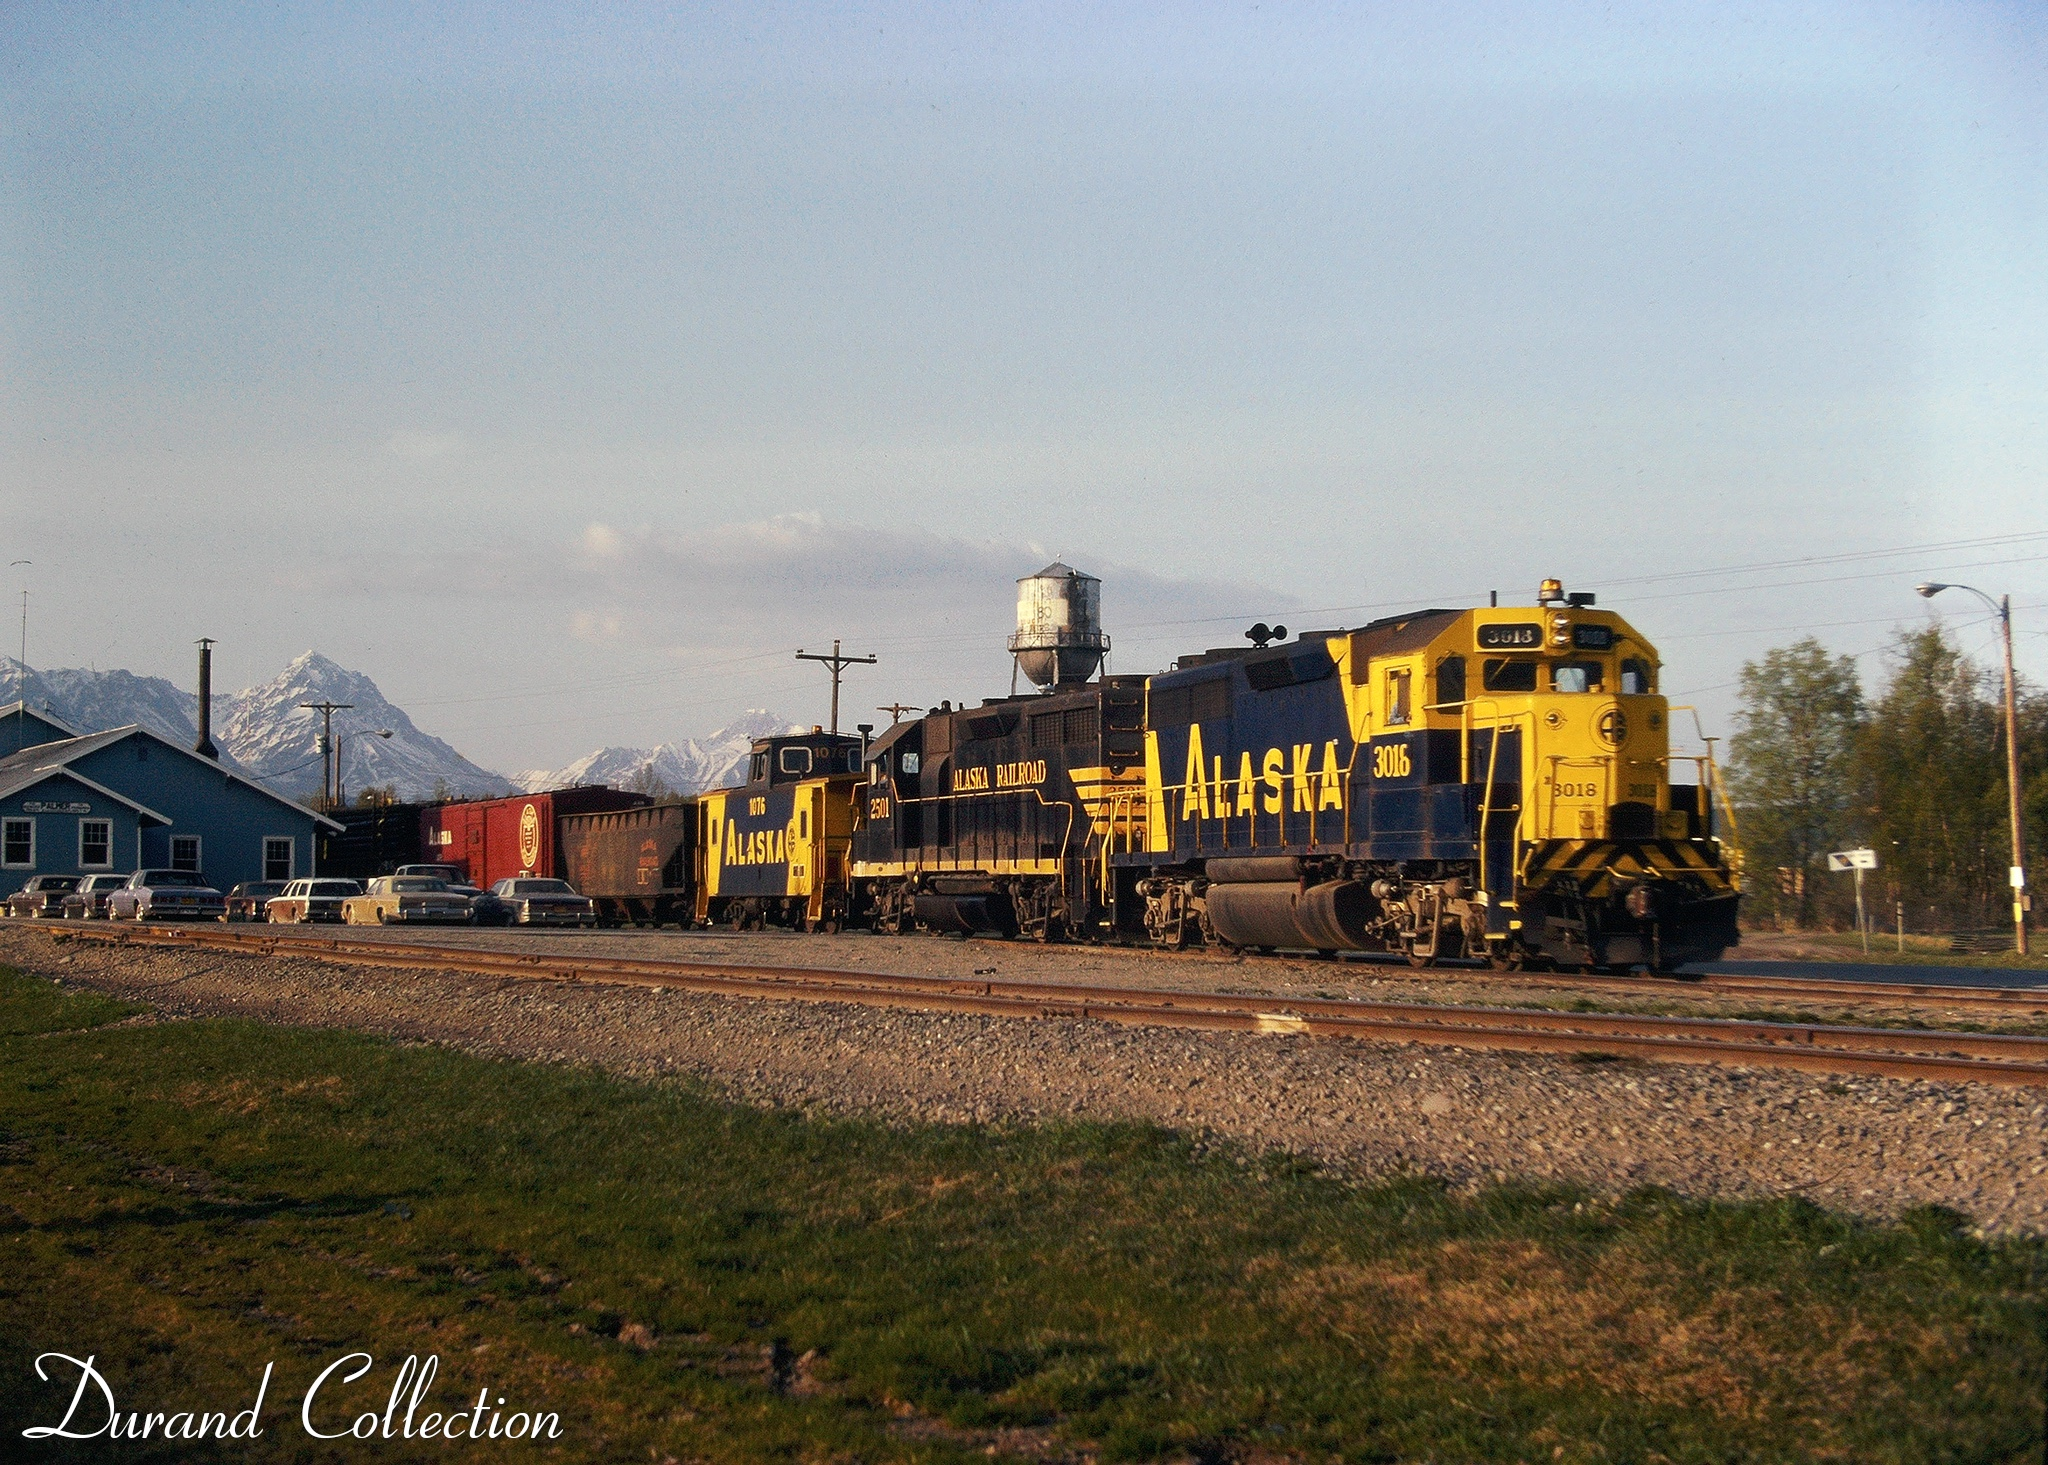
(1490, 783)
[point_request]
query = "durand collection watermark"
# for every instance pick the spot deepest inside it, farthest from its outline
(408, 1413)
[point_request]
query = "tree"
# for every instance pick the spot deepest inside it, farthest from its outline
(1933, 776)
(646, 781)
(1792, 772)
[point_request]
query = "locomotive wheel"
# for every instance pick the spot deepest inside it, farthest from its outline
(1421, 958)
(1503, 957)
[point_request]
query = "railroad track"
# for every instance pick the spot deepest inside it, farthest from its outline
(1808, 1047)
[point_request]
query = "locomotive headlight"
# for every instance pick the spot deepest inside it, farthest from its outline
(1560, 630)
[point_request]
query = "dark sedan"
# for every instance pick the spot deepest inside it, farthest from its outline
(89, 901)
(166, 895)
(43, 897)
(526, 901)
(247, 900)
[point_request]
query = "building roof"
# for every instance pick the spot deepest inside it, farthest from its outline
(42, 715)
(18, 780)
(62, 754)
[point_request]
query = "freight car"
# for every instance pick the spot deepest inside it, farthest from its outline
(638, 864)
(1489, 783)
(495, 839)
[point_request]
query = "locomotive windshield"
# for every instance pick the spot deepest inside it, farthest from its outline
(1576, 676)
(1508, 674)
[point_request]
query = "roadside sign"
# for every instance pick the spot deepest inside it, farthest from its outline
(1853, 859)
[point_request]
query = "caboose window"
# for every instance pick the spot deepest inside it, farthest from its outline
(1576, 676)
(1397, 698)
(1508, 674)
(796, 760)
(757, 768)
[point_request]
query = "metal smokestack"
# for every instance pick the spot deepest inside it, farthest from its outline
(204, 747)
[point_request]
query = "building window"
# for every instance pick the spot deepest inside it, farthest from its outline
(95, 844)
(185, 852)
(277, 858)
(18, 844)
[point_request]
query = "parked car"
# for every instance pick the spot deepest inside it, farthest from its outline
(247, 900)
(310, 900)
(392, 899)
(452, 874)
(166, 895)
(43, 897)
(456, 879)
(89, 901)
(529, 901)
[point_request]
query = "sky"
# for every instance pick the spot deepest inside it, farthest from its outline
(567, 369)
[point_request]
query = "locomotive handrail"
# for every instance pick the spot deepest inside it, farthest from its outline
(1734, 840)
(1486, 808)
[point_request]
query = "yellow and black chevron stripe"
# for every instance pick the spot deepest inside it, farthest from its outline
(1597, 863)
(1107, 797)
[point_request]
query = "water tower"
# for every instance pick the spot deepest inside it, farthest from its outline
(1059, 626)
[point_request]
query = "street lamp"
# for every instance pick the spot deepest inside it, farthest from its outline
(2003, 605)
(340, 795)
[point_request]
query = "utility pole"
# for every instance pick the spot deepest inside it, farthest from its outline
(23, 662)
(838, 664)
(2018, 874)
(896, 711)
(327, 771)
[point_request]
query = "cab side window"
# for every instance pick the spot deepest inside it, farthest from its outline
(1450, 680)
(1398, 705)
(1636, 678)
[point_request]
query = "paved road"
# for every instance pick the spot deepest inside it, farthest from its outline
(1844, 971)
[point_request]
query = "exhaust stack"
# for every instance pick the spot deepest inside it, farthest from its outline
(204, 747)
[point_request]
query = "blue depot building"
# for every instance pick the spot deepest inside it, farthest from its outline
(127, 799)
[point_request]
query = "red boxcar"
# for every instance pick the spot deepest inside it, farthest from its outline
(492, 839)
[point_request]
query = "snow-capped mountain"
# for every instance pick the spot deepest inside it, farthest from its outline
(279, 740)
(263, 730)
(688, 767)
(93, 700)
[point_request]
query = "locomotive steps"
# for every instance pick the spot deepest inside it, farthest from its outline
(1910, 1053)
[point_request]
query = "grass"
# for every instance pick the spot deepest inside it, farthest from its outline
(684, 1278)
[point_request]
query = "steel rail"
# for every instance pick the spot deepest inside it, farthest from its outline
(1810, 1047)
(2014, 1003)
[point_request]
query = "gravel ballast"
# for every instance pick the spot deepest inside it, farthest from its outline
(1872, 1146)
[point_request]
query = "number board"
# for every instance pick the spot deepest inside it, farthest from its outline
(1593, 638)
(1510, 636)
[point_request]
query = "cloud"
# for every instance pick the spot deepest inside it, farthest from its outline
(597, 626)
(799, 579)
